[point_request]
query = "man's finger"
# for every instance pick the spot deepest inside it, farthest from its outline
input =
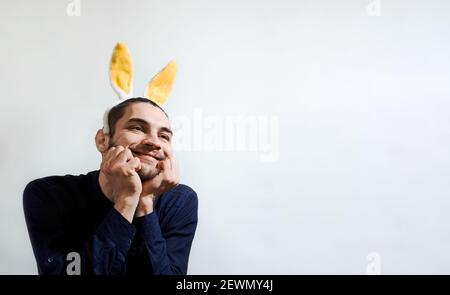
(162, 165)
(169, 173)
(168, 153)
(169, 163)
(113, 152)
(124, 156)
(175, 169)
(106, 162)
(173, 176)
(135, 164)
(117, 150)
(109, 152)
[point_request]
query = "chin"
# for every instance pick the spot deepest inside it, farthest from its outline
(148, 172)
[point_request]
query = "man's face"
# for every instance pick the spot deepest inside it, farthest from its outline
(145, 130)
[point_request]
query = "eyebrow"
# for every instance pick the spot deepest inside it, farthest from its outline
(144, 122)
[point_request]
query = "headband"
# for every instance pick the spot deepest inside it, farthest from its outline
(121, 77)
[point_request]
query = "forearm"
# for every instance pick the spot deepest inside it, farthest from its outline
(107, 248)
(149, 230)
(168, 253)
(103, 253)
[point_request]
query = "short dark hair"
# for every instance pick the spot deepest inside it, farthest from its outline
(118, 111)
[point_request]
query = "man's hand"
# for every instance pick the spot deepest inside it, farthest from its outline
(119, 169)
(167, 178)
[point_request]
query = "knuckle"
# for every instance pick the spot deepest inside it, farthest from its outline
(123, 170)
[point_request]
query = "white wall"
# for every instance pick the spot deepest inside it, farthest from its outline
(360, 92)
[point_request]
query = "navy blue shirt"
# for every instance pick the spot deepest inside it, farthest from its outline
(70, 213)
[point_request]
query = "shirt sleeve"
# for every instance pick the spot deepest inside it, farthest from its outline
(168, 247)
(104, 252)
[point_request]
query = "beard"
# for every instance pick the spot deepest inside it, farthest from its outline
(148, 171)
(149, 168)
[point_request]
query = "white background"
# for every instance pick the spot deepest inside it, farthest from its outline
(362, 101)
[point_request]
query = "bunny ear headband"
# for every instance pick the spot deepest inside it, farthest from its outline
(121, 77)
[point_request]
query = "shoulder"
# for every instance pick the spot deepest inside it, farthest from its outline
(183, 193)
(179, 196)
(52, 182)
(183, 190)
(43, 189)
(48, 182)
(178, 206)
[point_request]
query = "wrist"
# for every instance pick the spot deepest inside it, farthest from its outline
(144, 207)
(126, 207)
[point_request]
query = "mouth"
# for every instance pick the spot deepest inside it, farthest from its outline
(146, 157)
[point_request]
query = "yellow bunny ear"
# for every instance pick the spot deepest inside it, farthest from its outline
(158, 89)
(121, 71)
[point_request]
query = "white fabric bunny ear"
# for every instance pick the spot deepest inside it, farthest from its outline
(121, 77)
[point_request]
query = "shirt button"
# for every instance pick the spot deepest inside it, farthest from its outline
(50, 260)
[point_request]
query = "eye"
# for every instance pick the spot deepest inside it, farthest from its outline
(165, 136)
(136, 128)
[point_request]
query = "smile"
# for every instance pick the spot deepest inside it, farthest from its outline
(146, 157)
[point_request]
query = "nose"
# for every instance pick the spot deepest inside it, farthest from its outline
(151, 143)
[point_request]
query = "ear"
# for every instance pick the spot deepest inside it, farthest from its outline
(102, 141)
(158, 89)
(121, 71)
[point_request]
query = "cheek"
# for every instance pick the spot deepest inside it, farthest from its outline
(127, 139)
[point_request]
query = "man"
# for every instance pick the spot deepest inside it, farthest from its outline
(129, 217)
